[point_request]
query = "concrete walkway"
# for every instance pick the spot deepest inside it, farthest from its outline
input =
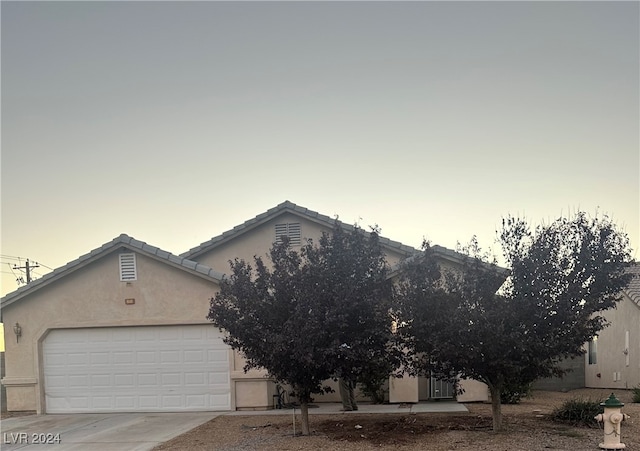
(328, 408)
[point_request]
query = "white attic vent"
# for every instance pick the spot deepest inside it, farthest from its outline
(128, 267)
(291, 230)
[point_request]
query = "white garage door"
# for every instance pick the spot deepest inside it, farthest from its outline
(136, 369)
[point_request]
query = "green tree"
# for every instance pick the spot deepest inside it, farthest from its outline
(318, 313)
(471, 322)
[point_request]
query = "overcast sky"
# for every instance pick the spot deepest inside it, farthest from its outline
(173, 122)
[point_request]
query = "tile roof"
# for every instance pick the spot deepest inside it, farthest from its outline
(185, 262)
(286, 207)
(121, 241)
(633, 289)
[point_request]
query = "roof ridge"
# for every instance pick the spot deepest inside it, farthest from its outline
(272, 212)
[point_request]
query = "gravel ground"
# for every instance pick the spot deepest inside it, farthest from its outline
(527, 427)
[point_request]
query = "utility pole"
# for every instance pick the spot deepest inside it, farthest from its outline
(27, 268)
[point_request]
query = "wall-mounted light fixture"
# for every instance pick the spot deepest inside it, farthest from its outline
(18, 331)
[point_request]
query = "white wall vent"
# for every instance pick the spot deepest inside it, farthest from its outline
(291, 230)
(128, 270)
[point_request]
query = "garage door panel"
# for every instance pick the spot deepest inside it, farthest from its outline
(217, 355)
(101, 402)
(77, 358)
(57, 359)
(195, 379)
(170, 334)
(99, 336)
(144, 357)
(124, 403)
(145, 334)
(124, 369)
(220, 399)
(57, 381)
(124, 380)
(194, 356)
(148, 380)
(80, 402)
(80, 381)
(125, 335)
(171, 379)
(219, 378)
(149, 402)
(171, 401)
(123, 358)
(197, 400)
(101, 380)
(171, 356)
(100, 358)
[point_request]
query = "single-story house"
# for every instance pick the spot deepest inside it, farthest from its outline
(123, 328)
(613, 357)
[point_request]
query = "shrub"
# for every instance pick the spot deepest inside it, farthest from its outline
(636, 393)
(513, 393)
(377, 394)
(578, 412)
(374, 387)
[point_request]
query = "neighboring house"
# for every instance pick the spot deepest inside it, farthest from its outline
(123, 327)
(572, 380)
(613, 357)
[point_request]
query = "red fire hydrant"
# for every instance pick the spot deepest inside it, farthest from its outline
(612, 417)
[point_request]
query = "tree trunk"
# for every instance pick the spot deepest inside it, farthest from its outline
(304, 410)
(496, 407)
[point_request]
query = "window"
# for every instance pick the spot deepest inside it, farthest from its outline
(291, 230)
(626, 348)
(593, 351)
(128, 267)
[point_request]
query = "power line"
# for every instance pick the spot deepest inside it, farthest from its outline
(10, 257)
(19, 279)
(27, 269)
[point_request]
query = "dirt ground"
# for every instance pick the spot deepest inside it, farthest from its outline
(527, 427)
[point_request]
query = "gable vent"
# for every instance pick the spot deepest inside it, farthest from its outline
(128, 267)
(291, 230)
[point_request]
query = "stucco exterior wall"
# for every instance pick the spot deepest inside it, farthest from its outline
(94, 296)
(473, 391)
(259, 240)
(572, 380)
(614, 368)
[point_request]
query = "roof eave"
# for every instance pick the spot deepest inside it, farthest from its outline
(291, 208)
(123, 241)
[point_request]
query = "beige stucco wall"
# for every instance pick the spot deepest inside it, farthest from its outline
(404, 389)
(95, 297)
(611, 357)
(473, 391)
(258, 242)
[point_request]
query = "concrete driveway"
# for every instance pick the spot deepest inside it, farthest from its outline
(109, 431)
